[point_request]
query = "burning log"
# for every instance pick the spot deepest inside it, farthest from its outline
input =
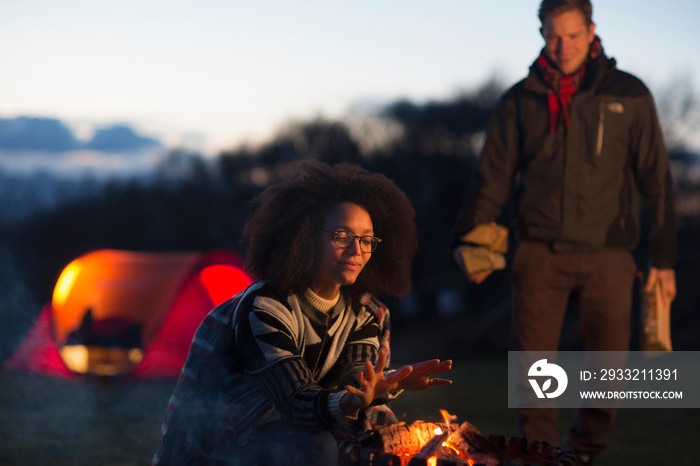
(421, 443)
(408, 439)
(471, 443)
(433, 446)
(444, 444)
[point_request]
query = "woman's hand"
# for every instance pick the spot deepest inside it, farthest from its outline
(374, 383)
(419, 377)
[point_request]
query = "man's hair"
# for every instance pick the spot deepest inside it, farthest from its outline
(283, 229)
(549, 8)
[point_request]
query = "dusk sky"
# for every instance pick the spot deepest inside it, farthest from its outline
(210, 75)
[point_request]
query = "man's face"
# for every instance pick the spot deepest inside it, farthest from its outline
(567, 40)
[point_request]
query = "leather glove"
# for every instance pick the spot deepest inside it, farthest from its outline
(485, 249)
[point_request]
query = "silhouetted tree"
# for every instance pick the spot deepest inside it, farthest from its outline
(679, 112)
(326, 141)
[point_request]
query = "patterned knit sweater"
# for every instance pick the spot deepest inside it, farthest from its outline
(260, 361)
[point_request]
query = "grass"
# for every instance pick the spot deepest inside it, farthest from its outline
(47, 421)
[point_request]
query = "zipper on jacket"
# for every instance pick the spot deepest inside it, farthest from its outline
(601, 127)
(562, 200)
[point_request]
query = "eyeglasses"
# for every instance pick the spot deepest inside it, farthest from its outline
(345, 239)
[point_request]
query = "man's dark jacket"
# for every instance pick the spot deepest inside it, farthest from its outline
(578, 188)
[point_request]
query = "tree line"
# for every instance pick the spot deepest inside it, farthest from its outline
(193, 203)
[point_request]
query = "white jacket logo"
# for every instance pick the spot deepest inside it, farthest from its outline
(616, 107)
(543, 369)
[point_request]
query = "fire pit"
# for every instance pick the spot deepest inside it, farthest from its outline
(447, 444)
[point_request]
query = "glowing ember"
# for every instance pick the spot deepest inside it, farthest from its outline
(439, 446)
(461, 444)
(430, 443)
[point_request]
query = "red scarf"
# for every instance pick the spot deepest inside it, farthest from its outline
(561, 90)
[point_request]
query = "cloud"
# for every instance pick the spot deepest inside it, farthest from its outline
(119, 138)
(36, 134)
(30, 134)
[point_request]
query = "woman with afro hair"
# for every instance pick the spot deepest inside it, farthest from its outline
(275, 374)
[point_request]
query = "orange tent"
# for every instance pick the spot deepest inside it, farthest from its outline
(119, 312)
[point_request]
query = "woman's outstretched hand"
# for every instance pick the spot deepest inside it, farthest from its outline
(375, 383)
(419, 377)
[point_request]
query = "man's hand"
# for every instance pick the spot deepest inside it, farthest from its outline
(477, 262)
(479, 277)
(667, 283)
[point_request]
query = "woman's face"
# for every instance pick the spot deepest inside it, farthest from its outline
(338, 266)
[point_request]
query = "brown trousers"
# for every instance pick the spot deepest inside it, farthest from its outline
(601, 284)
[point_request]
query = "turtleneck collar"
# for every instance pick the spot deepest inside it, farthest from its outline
(323, 305)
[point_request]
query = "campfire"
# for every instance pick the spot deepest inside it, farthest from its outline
(447, 444)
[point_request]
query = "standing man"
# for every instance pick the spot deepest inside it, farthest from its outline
(578, 143)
